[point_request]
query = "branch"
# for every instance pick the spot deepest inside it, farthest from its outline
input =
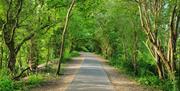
(172, 19)
(23, 41)
(28, 38)
(150, 49)
(136, 1)
(17, 77)
(177, 24)
(162, 56)
(43, 27)
(29, 14)
(48, 27)
(7, 15)
(8, 11)
(16, 18)
(177, 21)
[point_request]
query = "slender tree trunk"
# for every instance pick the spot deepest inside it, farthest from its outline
(159, 65)
(63, 37)
(33, 55)
(20, 61)
(167, 60)
(135, 53)
(157, 57)
(48, 54)
(124, 47)
(174, 28)
(1, 52)
(60, 57)
(159, 68)
(1, 56)
(155, 32)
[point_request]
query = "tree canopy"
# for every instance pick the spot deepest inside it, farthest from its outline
(139, 36)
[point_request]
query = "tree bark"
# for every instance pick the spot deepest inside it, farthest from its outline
(48, 54)
(135, 48)
(1, 53)
(167, 60)
(1, 57)
(159, 68)
(9, 28)
(63, 36)
(20, 61)
(12, 60)
(33, 55)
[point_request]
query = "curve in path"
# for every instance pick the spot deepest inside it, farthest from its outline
(91, 77)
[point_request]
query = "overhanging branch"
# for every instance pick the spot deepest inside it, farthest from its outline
(23, 41)
(20, 3)
(28, 38)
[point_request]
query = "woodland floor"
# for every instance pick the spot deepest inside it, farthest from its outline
(91, 72)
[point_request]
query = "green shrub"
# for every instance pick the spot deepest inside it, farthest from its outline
(35, 79)
(166, 85)
(19, 86)
(6, 84)
(150, 80)
(66, 54)
(74, 54)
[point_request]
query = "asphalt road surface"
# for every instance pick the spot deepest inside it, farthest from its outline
(91, 77)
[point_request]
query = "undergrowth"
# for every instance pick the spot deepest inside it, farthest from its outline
(33, 80)
(146, 74)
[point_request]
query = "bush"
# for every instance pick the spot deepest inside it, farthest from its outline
(67, 55)
(166, 85)
(74, 54)
(35, 80)
(6, 84)
(19, 86)
(150, 80)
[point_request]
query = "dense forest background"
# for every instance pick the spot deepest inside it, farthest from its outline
(140, 37)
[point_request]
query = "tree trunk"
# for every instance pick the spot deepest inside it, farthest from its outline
(33, 55)
(63, 37)
(135, 53)
(9, 28)
(159, 68)
(157, 57)
(125, 48)
(20, 61)
(12, 60)
(60, 57)
(48, 54)
(159, 65)
(1, 56)
(168, 60)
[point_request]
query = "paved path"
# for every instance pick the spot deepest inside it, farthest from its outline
(91, 77)
(90, 72)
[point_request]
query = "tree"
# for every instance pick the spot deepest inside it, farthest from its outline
(63, 35)
(150, 15)
(9, 28)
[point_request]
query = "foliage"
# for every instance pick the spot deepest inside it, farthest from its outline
(6, 84)
(112, 28)
(35, 80)
(150, 80)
